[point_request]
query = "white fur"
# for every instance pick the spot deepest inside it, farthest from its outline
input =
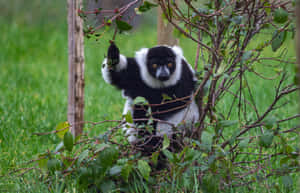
(160, 69)
(128, 128)
(128, 106)
(178, 51)
(186, 117)
(141, 57)
(105, 69)
(130, 132)
(132, 135)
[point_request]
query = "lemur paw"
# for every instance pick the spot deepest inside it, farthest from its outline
(113, 55)
(131, 134)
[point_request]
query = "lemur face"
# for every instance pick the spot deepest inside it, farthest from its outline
(161, 62)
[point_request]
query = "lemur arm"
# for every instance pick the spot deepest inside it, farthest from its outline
(118, 70)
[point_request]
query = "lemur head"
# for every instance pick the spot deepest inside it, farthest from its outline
(160, 66)
(161, 62)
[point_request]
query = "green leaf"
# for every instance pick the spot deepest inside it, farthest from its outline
(43, 163)
(128, 117)
(207, 86)
(206, 139)
(84, 172)
(149, 114)
(116, 170)
(209, 184)
(150, 120)
(247, 55)
(122, 161)
(154, 157)
(284, 160)
(237, 19)
(144, 169)
(192, 154)
(83, 156)
(280, 15)
(221, 70)
(166, 97)
(166, 142)
(101, 147)
(267, 8)
(227, 123)
(270, 121)
(140, 101)
(211, 159)
(123, 26)
(126, 171)
(266, 140)
(62, 128)
(233, 137)
(244, 143)
(278, 39)
(169, 155)
(287, 149)
(146, 6)
(287, 181)
(67, 163)
(68, 141)
(107, 157)
(107, 186)
(53, 164)
(77, 138)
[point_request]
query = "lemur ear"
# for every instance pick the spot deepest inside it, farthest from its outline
(141, 56)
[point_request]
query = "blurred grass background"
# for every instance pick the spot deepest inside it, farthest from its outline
(34, 72)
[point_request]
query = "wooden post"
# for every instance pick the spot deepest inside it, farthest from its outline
(165, 30)
(76, 67)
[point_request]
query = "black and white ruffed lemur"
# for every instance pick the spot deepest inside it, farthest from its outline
(152, 73)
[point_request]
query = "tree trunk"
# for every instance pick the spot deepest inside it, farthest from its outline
(76, 67)
(165, 30)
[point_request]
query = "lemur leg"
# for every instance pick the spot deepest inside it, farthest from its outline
(183, 120)
(129, 128)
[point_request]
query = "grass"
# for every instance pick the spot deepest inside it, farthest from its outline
(33, 85)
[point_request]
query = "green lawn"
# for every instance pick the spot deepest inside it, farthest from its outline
(33, 89)
(34, 82)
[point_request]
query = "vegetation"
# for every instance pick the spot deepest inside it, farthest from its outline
(34, 100)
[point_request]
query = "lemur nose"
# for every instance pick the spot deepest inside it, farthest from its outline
(163, 73)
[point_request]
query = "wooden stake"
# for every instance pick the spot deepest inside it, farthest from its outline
(165, 31)
(76, 67)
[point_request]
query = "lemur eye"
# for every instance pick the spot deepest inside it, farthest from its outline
(170, 65)
(154, 65)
